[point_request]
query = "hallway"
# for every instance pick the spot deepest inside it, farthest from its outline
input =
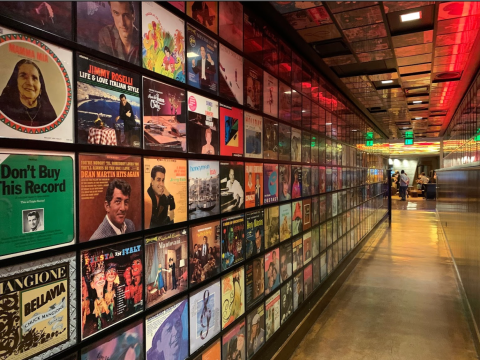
(400, 302)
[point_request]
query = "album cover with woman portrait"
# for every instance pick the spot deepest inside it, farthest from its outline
(286, 298)
(213, 352)
(270, 183)
(202, 60)
(272, 270)
(167, 332)
(112, 284)
(253, 185)
(270, 139)
(230, 23)
(234, 341)
(296, 145)
(253, 136)
(231, 73)
(232, 185)
(203, 125)
(164, 117)
(286, 255)
(233, 240)
(253, 85)
(255, 280)
(233, 296)
(205, 315)
(255, 330)
(109, 196)
(297, 217)
(284, 139)
(272, 319)
(166, 267)
(126, 343)
(272, 226)
(108, 104)
(35, 89)
(254, 233)
(285, 222)
(205, 13)
(163, 42)
(205, 254)
(284, 182)
(111, 27)
(270, 95)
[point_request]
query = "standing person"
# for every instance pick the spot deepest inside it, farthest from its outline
(403, 185)
(126, 114)
(174, 279)
(425, 181)
(206, 68)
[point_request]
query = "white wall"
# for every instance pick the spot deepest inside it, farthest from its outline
(409, 165)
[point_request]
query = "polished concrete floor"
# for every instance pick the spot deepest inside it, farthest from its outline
(400, 302)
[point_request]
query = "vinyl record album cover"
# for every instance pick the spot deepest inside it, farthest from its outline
(270, 139)
(203, 125)
(110, 195)
(306, 181)
(307, 214)
(255, 280)
(205, 13)
(110, 27)
(307, 247)
(122, 344)
(315, 241)
(284, 139)
(205, 315)
(37, 201)
(231, 73)
(322, 179)
(166, 267)
(114, 287)
(202, 60)
(307, 280)
(38, 299)
(315, 210)
(163, 42)
(254, 233)
(270, 183)
(108, 104)
(41, 112)
(233, 240)
(231, 131)
(297, 290)
(255, 330)
(164, 117)
(253, 35)
(253, 136)
(284, 182)
(253, 85)
(203, 189)
(284, 61)
(272, 319)
(270, 95)
(284, 102)
(253, 185)
(285, 222)
(270, 50)
(213, 352)
(297, 253)
(272, 226)
(167, 332)
(233, 296)
(272, 270)
(285, 261)
(316, 272)
(205, 253)
(314, 182)
(297, 217)
(230, 23)
(234, 342)
(232, 185)
(297, 180)
(296, 145)
(286, 298)
(165, 191)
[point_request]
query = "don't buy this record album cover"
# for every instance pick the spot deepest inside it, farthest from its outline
(108, 104)
(165, 191)
(37, 201)
(39, 307)
(166, 265)
(164, 117)
(43, 111)
(110, 195)
(202, 125)
(112, 284)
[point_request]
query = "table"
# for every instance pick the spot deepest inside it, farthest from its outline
(105, 136)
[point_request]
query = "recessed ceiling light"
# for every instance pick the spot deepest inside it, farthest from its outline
(354, 130)
(328, 123)
(417, 101)
(387, 81)
(418, 118)
(411, 16)
(287, 92)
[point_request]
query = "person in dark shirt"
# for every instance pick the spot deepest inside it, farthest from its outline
(174, 279)
(163, 203)
(126, 114)
(205, 67)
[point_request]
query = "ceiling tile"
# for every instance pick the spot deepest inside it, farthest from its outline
(412, 60)
(380, 77)
(456, 38)
(448, 67)
(418, 77)
(308, 18)
(370, 45)
(453, 49)
(320, 33)
(341, 6)
(455, 9)
(340, 60)
(391, 6)
(366, 32)
(284, 7)
(459, 24)
(453, 59)
(421, 37)
(375, 55)
(360, 17)
(413, 50)
(415, 68)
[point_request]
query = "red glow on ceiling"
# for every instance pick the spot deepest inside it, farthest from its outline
(306, 85)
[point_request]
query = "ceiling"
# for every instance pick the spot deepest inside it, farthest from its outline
(410, 75)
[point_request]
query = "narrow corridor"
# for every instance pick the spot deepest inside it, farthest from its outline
(400, 302)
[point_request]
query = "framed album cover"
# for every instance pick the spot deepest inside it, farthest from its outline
(231, 131)
(231, 73)
(230, 23)
(205, 13)
(253, 136)
(202, 120)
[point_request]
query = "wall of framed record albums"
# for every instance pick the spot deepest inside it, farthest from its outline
(175, 181)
